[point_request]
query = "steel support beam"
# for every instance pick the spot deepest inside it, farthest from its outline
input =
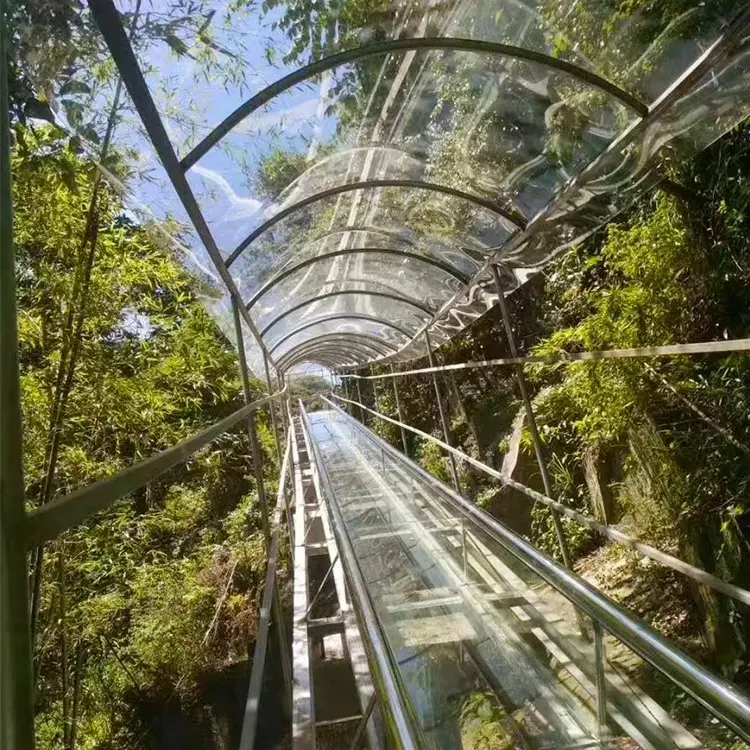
(443, 415)
(16, 708)
(272, 409)
(363, 722)
(600, 656)
(531, 419)
(252, 430)
(361, 410)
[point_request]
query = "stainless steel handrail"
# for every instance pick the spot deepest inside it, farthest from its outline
(394, 698)
(612, 532)
(48, 521)
(723, 699)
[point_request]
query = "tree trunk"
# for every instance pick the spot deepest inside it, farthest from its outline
(595, 473)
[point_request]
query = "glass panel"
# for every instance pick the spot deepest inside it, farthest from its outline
(643, 702)
(482, 646)
(385, 338)
(404, 316)
(412, 279)
(497, 126)
(490, 125)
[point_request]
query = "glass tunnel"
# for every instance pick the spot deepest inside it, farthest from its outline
(356, 189)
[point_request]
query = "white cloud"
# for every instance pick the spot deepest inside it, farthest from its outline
(238, 208)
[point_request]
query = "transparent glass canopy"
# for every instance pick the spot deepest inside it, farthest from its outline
(353, 177)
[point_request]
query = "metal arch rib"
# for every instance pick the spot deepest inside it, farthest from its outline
(328, 361)
(390, 235)
(404, 45)
(336, 358)
(345, 356)
(321, 352)
(512, 216)
(358, 341)
(340, 316)
(386, 295)
(445, 267)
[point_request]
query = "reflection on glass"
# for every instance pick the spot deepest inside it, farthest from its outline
(489, 655)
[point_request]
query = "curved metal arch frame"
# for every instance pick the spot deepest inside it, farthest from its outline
(325, 361)
(417, 257)
(332, 351)
(390, 235)
(363, 340)
(327, 356)
(510, 215)
(360, 341)
(350, 347)
(386, 295)
(319, 357)
(404, 45)
(340, 316)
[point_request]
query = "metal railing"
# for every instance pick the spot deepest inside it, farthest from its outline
(390, 689)
(724, 700)
(271, 599)
(43, 524)
(50, 520)
(616, 535)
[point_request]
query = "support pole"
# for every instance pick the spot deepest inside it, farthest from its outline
(359, 398)
(251, 427)
(443, 414)
(400, 415)
(272, 409)
(16, 709)
(375, 397)
(345, 383)
(521, 380)
(601, 685)
(363, 722)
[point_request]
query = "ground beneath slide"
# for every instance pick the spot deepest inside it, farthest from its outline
(488, 655)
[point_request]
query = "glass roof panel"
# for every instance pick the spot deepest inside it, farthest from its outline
(521, 154)
(433, 221)
(369, 331)
(428, 285)
(503, 130)
(401, 314)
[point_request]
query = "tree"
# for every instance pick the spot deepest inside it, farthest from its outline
(156, 594)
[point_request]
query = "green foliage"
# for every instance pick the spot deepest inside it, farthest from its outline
(432, 458)
(484, 724)
(158, 592)
(319, 29)
(277, 171)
